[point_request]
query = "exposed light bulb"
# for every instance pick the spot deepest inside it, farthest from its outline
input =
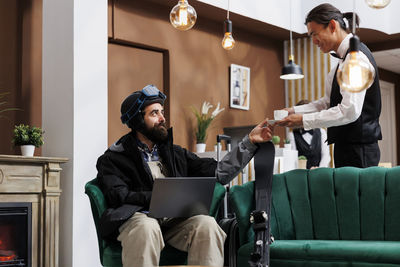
(183, 16)
(228, 42)
(355, 74)
(377, 4)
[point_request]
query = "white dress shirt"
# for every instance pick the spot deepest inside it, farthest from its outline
(318, 114)
(325, 153)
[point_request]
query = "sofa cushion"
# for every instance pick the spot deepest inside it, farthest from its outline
(327, 204)
(344, 253)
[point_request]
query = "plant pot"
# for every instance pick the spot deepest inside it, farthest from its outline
(276, 147)
(27, 150)
(200, 147)
(302, 164)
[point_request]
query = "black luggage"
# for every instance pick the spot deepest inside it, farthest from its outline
(226, 219)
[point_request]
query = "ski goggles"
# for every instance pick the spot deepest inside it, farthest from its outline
(149, 92)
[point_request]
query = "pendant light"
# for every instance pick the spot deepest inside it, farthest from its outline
(183, 16)
(356, 73)
(291, 71)
(377, 4)
(228, 42)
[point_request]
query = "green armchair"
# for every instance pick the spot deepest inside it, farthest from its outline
(110, 252)
(327, 217)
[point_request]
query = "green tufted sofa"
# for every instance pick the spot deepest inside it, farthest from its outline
(327, 217)
(110, 252)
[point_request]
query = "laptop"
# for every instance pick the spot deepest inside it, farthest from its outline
(176, 197)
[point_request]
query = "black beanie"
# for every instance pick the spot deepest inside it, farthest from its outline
(136, 121)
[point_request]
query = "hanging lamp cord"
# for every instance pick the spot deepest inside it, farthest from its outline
(227, 11)
(290, 28)
(354, 17)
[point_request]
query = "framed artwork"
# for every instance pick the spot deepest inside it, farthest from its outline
(240, 87)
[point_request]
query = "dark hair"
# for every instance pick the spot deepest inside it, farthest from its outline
(324, 13)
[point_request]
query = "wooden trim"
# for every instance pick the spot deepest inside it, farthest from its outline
(166, 68)
(386, 45)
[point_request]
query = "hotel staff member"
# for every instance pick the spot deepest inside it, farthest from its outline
(352, 119)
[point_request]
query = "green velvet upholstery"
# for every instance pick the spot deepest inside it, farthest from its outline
(327, 217)
(110, 252)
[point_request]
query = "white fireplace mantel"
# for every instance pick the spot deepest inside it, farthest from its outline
(36, 180)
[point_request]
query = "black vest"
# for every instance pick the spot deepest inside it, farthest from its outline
(313, 151)
(366, 128)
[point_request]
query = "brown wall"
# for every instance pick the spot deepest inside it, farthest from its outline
(9, 48)
(199, 67)
(20, 66)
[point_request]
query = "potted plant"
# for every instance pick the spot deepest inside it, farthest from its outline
(302, 162)
(286, 143)
(204, 120)
(276, 141)
(27, 138)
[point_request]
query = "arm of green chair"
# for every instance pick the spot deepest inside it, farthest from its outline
(241, 199)
(219, 193)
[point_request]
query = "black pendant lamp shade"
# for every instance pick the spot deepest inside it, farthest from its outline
(291, 71)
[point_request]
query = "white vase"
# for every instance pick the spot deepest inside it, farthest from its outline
(27, 150)
(200, 147)
(276, 147)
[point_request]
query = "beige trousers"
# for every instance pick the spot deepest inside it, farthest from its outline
(142, 240)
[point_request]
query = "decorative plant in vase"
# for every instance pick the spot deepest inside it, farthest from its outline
(27, 138)
(276, 140)
(287, 144)
(302, 162)
(204, 120)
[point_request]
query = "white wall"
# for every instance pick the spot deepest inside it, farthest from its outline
(75, 113)
(277, 12)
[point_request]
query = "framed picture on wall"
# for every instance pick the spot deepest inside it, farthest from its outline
(240, 87)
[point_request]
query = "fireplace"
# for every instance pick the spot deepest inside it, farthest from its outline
(15, 234)
(29, 208)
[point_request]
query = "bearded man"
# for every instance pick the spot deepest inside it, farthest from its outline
(126, 172)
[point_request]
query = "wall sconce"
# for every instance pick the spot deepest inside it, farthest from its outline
(228, 42)
(377, 4)
(291, 71)
(183, 16)
(355, 74)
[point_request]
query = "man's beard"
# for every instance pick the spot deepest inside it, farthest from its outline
(157, 134)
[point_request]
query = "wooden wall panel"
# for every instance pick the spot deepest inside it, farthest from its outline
(20, 66)
(199, 67)
(129, 70)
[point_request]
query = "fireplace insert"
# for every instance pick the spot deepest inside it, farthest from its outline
(15, 234)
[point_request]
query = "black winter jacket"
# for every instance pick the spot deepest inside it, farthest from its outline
(126, 180)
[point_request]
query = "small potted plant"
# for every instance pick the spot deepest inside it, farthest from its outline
(286, 144)
(204, 120)
(27, 138)
(276, 141)
(302, 162)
